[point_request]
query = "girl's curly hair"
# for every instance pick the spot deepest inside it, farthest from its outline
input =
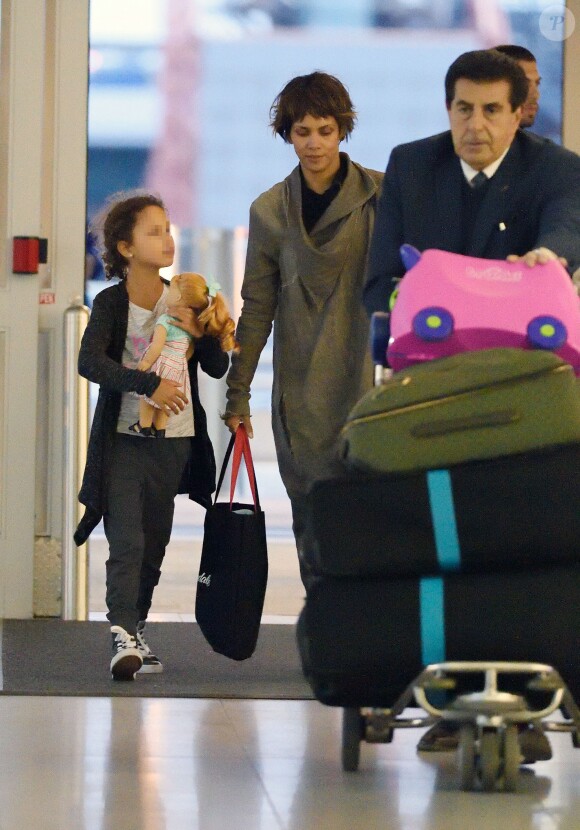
(116, 224)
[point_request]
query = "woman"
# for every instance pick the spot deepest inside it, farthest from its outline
(307, 247)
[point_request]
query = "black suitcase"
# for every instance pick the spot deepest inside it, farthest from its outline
(363, 641)
(391, 595)
(520, 511)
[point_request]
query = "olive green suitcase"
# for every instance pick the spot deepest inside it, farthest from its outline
(474, 405)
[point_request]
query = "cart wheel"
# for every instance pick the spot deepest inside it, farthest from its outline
(352, 734)
(489, 758)
(388, 735)
(466, 756)
(511, 758)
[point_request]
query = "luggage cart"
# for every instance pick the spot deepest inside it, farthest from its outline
(488, 754)
(488, 720)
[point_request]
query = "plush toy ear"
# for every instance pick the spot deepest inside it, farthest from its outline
(409, 256)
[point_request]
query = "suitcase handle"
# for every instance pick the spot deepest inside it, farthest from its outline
(488, 419)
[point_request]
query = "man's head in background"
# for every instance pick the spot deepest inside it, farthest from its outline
(528, 63)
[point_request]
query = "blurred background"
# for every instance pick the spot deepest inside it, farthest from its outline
(180, 90)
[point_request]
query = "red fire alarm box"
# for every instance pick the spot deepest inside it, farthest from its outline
(25, 251)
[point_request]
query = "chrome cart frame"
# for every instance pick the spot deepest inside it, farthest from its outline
(488, 754)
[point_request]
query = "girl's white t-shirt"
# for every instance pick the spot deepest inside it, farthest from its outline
(139, 333)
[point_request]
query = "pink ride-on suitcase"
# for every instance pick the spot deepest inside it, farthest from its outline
(448, 303)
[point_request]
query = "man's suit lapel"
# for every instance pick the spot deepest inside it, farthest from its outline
(497, 206)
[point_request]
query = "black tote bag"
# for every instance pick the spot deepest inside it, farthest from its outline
(233, 570)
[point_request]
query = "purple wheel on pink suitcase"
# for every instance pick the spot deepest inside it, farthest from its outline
(433, 323)
(547, 332)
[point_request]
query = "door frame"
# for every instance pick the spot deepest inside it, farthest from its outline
(43, 140)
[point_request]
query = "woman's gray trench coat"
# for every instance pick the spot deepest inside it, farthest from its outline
(310, 288)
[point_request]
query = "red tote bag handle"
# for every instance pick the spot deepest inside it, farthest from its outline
(242, 448)
(240, 444)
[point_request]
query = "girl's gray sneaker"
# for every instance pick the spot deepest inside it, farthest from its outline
(151, 663)
(126, 659)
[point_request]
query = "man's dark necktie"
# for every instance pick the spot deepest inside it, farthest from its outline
(478, 180)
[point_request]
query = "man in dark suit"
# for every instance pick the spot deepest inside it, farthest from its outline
(528, 206)
(487, 189)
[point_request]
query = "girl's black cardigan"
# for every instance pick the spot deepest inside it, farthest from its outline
(100, 358)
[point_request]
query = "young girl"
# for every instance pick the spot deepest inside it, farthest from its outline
(129, 482)
(171, 346)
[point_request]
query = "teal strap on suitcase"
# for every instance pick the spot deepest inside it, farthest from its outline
(432, 610)
(443, 517)
(431, 589)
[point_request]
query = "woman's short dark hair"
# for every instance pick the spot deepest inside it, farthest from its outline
(318, 94)
(487, 66)
(116, 225)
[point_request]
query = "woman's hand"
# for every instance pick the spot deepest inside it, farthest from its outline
(169, 396)
(233, 421)
(185, 318)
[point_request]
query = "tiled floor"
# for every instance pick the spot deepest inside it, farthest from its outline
(154, 764)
